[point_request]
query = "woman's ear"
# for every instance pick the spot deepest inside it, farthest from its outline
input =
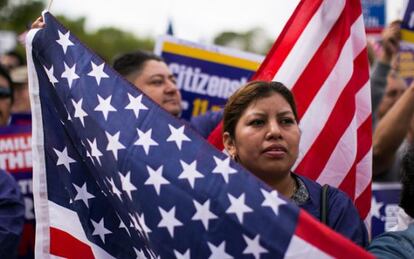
(229, 144)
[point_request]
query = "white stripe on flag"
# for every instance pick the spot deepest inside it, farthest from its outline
(307, 44)
(299, 248)
(344, 154)
(363, 102)
(363, 176)
(39, 166)
(342, 158)
(324, 102)
(68, 221)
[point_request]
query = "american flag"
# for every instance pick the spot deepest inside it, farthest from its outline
(321, 56)
(115, 176)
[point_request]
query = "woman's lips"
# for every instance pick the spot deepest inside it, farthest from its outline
(275, 151)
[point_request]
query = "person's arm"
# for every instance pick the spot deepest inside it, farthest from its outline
(390, 46)
(392, 130)
(11, 215)
(392, 245)
(38, 24)
(378, 83)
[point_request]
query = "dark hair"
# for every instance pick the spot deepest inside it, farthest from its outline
(248, 93)
(132, 63)
(4, 73)
(16, 55)
(407, 180)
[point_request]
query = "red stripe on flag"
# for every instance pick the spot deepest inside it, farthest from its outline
(215, 138)
(65, 245)
(327, 240)
(364, 142)
(364, 139)
(363, 202)
(341, 116)
(348, 183)
(324, 60)
(287, 39)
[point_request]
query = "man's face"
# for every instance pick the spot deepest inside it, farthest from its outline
(9, 62)
(156, 81)
(393, 91)
(5, 101)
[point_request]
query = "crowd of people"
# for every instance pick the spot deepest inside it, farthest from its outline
(260, 131)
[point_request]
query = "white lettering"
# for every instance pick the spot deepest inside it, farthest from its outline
(195, 81)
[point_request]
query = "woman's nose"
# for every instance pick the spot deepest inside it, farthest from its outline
(273, 130)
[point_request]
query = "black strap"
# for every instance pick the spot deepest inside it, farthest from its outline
(324, 204)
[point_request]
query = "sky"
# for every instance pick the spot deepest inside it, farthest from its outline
(194, 20)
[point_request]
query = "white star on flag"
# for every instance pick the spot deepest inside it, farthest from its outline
(83, 194)
(139, 253)
(156, 179)
(94, 150)
(218, 251)
(238, 207)
(127, 185)
(135, 104)
(223, 167)
(64, 158)
(97, 72)
(113, 144)
(99, 229)
(114, 189)
(203, 213)
(376, 207)
(145, 140)
(70, 74)
(272, 200)
(105, 106)
(50, 75)
(253, 247)
(168, 220)
(122, 225)
(141, 224)
(190, 172)
(177, 135)
(79, 112)
(64, 41)
(185, 255)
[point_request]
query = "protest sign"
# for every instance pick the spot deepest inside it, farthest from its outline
(206, 74)
(16, 158)
(384, 207)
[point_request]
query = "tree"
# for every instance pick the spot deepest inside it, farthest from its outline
(253, 40)
(17, 15)
(106, 42)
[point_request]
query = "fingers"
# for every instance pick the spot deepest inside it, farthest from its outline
(39, 23)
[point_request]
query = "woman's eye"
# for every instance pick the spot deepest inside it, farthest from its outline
(256, 122)
(287, 121)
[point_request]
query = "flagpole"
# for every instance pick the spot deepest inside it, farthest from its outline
(49, 5)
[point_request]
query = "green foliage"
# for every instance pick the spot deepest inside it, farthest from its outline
(106, 42)
(253, 40)
(17, 15)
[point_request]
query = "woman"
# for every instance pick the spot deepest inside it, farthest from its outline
(260, 131)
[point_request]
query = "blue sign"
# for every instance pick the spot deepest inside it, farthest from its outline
(384, 207)
(374, 14)
(206, 75)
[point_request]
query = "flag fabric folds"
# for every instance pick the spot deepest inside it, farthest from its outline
(115, 176)
(321, 56)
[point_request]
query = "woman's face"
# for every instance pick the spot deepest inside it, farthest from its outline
(266, 139)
